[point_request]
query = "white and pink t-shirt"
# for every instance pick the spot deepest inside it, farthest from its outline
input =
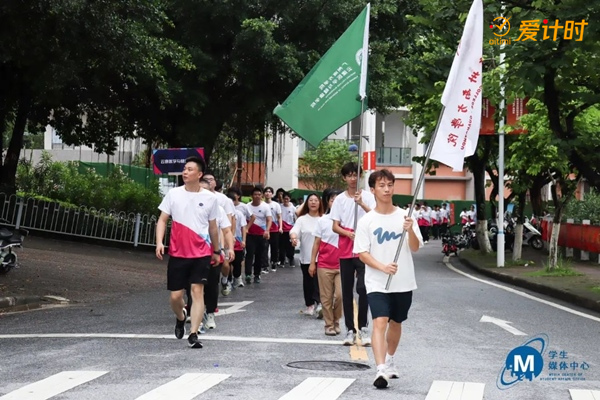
(275, 213)
(190, 213)
(342, 210)
(329, 252)
(240, 223)
(260, 212)
(288, 217)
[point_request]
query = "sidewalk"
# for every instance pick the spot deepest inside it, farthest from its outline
(582, 290)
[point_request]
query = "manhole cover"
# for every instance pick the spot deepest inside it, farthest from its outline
(328, 365)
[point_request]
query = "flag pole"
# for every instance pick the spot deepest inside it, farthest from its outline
(417, 188)
(360, 136)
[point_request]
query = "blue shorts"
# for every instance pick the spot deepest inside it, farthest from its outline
(394, 306)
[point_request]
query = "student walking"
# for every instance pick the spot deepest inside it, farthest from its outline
(288, 219)
(257, 239)
(343, 215)
(377, 238)
(275, 230)
(194, 241)
(302, 233)
(325, 265)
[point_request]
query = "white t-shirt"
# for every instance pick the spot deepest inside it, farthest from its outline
(244, 209)
(303, 229)
(226, 203)
(223, 222)
(288, 216)
(240, 223)
(329, 252)
(275, 213)
(190, 213)
(260, 212)
(342, 210)
(379, 235)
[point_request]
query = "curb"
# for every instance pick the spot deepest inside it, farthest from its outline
(574, 299)
(20, 303)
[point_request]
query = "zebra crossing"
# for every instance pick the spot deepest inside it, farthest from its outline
(191, 385)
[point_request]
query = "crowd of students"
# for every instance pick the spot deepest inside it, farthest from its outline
(344, 238)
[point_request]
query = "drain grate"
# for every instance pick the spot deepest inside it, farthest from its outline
(328, 365)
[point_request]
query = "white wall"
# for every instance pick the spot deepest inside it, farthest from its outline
(283, 172)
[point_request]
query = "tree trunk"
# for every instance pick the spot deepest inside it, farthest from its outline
(11, 160)
(481, 227)
(517, 252)
(553, 246)
(240, 169)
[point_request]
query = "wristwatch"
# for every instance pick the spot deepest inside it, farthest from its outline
(217, 252)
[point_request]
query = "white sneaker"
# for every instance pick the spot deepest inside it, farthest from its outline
(364, 337)
(381, 380)
(310, 310)
(350, 339)
(226, 289)
(391, 371)
(319, 311)
(210, 321)
(238, 282)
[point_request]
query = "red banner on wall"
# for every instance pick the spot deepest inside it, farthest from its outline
(488, 125)
(575, 236)
(514, 112)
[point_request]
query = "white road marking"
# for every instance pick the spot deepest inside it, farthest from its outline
(148, 336)
(53, 385)
(580, 394)
(445, 390)
(523, 294)
(186, 387)
(503, 324)
(319, 389)
(233, 307)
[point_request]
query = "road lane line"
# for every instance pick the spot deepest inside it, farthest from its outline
(523, 294)
(446, 390)
(53, 385)
(584, 394)
(186, 387)
(319, 389)
(149, 336)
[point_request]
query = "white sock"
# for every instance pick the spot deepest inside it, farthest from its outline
(389, 358)
(380, 367)
(223, 280)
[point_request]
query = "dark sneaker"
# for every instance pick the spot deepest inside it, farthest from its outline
(194, 342)
(248, 279)
(180, 325)
(257, 279)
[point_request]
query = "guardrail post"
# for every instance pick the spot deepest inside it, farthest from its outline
(136, 234)
(569, 250)
(585, 256)
(21, 202)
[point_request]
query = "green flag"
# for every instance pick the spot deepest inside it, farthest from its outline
(331, 94)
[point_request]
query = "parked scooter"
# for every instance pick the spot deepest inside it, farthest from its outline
(10, 238)
(532, 236)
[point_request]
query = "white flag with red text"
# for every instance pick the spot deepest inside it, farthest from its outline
(459, 126)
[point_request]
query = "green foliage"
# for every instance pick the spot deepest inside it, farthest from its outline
(595, 289)
(62, 181)
(320, 168)
(588, 208)
(563, 268)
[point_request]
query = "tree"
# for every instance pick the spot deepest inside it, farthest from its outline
(320, 168)
(77, 65)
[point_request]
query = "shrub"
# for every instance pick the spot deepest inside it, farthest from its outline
(62, 181)
(588, 208)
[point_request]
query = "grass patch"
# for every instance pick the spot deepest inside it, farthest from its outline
(555, 272)
(596, 289)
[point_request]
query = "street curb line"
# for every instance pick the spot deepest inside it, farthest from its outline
(536, 287)
(19, 303)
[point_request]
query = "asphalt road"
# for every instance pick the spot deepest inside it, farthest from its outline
(123, 347)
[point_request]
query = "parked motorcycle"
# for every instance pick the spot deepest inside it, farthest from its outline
(532, 236)
(9, 239)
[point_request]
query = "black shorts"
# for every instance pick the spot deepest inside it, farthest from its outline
(181, 272)
(394, 306)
